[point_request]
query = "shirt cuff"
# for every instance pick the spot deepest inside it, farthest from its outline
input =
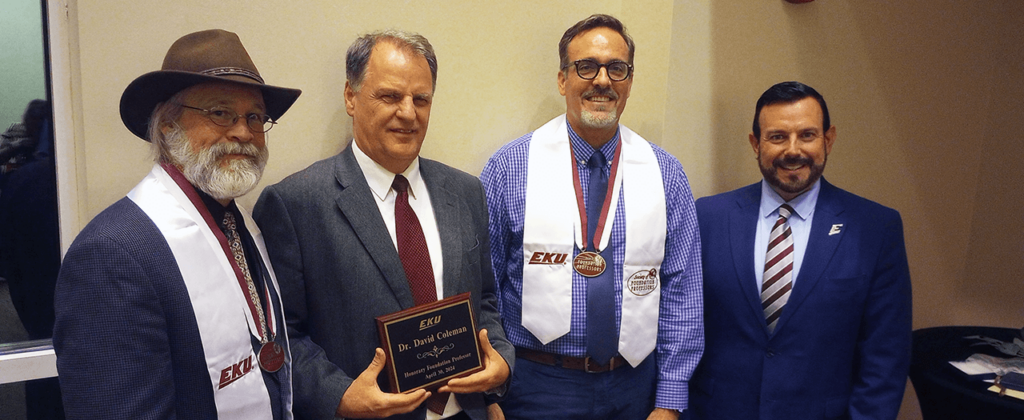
(672, 395)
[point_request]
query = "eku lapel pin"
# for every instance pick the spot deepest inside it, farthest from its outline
(836, 229)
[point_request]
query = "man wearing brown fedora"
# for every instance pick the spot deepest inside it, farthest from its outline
(167, 306)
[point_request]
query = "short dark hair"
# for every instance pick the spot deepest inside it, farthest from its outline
(594, 21)
(358, 55)
(789, 92)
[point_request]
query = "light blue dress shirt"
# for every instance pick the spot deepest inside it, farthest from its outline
(799, 223)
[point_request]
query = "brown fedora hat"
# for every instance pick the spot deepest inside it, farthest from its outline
(208, 56)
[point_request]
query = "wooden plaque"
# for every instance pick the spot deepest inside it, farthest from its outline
(431, 343)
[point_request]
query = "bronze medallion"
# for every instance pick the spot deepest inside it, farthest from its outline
(271, 357)
(589, 264)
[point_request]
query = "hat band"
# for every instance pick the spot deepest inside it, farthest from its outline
(233, 71)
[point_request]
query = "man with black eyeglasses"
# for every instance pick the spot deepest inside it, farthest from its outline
(596, 250)
(166, 304)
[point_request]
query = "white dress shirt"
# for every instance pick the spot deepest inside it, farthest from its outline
(380, 180)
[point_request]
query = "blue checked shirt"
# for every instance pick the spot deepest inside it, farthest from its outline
(680, 323)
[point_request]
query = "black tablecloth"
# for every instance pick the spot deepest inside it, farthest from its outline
(943, 391)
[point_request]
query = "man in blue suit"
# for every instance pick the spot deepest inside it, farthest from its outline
(806, 286)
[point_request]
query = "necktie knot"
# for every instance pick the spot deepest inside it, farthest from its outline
(785, 211)
(597, 160)
(400, 184)
(229, 221)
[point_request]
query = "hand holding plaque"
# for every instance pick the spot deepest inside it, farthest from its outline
(495, 372)
(428, 345)
(364, 399)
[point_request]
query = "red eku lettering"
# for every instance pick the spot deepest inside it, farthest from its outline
(548, 258)
(235, 372)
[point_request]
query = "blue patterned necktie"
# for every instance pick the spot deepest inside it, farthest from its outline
(602, 333)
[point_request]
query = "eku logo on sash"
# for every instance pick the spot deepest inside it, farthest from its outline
(553, 230)
(222, 315)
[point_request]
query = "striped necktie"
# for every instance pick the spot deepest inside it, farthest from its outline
(778, 268)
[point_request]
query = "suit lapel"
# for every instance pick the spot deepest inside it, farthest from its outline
(449, 218)
(742, 227)
(821, 247)
(356, 203)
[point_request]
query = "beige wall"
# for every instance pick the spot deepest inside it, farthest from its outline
(925, 94)
(496, 77)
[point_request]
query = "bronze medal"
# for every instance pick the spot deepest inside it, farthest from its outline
(589, 264)
(271, 357)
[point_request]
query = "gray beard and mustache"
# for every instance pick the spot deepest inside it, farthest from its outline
(203, 169)
(592, 120)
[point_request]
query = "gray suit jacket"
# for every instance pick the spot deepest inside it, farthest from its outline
(338, 269)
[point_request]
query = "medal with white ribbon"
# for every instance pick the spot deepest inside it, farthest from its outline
(589, 262)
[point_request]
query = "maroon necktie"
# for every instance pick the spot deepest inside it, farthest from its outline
(412, 250)
(412, 246)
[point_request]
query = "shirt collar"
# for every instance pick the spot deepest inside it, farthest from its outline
(380, 179)
(803, 204)
(583, 150)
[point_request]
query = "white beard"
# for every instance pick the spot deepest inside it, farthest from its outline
(203, 168)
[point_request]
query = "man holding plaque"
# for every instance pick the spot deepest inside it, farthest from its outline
(375, 230)
(596, 250)
(166, 304)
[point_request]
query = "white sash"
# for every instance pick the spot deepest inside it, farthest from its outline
(224, 320)
(552, 227)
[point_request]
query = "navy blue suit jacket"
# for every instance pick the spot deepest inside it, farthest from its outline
(841, 348)
(126, 338)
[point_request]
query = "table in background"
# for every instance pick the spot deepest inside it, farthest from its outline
(943, 391)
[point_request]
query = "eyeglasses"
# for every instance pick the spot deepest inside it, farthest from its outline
(588, 69)
(258, 123)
